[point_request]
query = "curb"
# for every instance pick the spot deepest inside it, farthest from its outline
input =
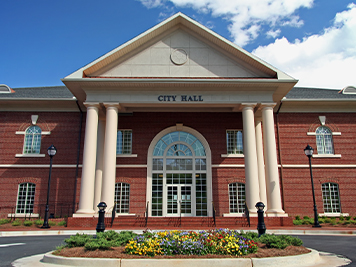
(308, 259)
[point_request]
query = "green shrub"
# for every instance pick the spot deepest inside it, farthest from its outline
(353, 221)
(346, 222)
(306, 218)
(4, 221)
(297, 217)
(78, 240)
(348, 218)
(99, 243)
(333, 222)
(297, 222)
(27, 223)
(354, 218)
(321, 220)
(39, 222)
(16, 223)
(51, 223)
(327, 220)
(62, 223)
(341, 218)
(280, 241)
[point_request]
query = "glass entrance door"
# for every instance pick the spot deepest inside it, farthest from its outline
(179, 200)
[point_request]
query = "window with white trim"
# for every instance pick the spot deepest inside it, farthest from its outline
(124, 142)
(234, 142)
(32, 144)
(237, 197)
(324, 140)
(331, 197)
(25, 198)
(122, 197)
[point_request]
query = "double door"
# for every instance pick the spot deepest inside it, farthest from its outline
(179, 200)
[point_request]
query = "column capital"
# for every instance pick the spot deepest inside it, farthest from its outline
(91, 104)
(248, 105)
(267, 105)
(108, 105)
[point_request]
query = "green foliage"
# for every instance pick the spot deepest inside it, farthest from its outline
(4, 221)
(327, 220)
(62, 223)
(353, 221)
(99, 243)
(348, 218)
(297, 222)
(51, 223)
(341, 218)
(39, 222)
(297, 217)
(354, 218)
(16, 223)
(306, 218)
(280, 241)
(78, 240)
(27, 223)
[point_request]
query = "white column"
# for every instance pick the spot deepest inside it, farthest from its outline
(272, 175)
(251, 173)
(109, 175)
(99, 164)
(89, 159)
(260, 162)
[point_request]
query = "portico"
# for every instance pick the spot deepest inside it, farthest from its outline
(206, 73)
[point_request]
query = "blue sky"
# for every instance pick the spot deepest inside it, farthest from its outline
(312, 40)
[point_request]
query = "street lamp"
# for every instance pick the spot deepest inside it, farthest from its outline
(309, 152)
(100, 227)
(51, 152)
(261, 227)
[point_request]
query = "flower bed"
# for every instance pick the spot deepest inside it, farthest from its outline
(222, 241)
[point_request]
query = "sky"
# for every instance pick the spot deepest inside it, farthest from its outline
(42, 41)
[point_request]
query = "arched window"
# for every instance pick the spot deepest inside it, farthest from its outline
(331, 197)
(25, 198)
(324, 140)
(122, 197)
(32, 143)
(237, 197)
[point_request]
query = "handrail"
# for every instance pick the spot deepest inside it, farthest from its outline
(180, 212)
(214, 213)
(247, 214)
(113, 213)
(146, 215)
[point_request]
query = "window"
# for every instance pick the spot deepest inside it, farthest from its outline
(324, 140)
(234, 142)
(237, 197)
(122, 197)
(25, 198)
(331, 198)
(124, 142)
(32, 140)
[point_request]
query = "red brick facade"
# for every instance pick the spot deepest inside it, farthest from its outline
(291, 138)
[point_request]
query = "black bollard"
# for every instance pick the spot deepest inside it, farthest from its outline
(261, 227)
(101, 224)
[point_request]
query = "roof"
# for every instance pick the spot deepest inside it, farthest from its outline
(303, 93)
(51, 92)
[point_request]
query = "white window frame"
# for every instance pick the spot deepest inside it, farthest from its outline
(236, 143)
(125, 152)
(121, 196)
(329, 197)
(28, 198)
(238, 202)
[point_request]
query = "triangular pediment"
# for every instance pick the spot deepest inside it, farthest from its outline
(179, 54)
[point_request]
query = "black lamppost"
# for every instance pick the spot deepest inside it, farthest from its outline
(309, 152)
(51, 152)
(100, 227)
(261, 227)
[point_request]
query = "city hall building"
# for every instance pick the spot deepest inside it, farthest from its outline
(177, 123)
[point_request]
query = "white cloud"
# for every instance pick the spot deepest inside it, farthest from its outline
(324, 60)
(273, 33)
(246, 16)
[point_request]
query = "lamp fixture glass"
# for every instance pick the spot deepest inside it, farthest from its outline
(308, 151)
(260, 206)
(102, 206)
(51, 151)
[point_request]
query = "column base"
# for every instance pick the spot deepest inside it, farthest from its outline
(276, 213)
(84, 213)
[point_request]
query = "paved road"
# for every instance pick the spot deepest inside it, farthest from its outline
(340, 245)
(12, 248)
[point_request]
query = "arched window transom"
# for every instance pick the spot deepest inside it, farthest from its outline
(324, 140)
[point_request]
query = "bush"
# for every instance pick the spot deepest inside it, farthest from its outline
(39, 222)
(62, 223)
(327, 220)
(16, 223)
(78, 240)
(99, 243)
(297, 222)
(280, 241)
(297, 217)
(341, 218)
(348, 218)
(353, 221)
(4, 221)
(306, 218)
(51, 223)
(27, 223)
